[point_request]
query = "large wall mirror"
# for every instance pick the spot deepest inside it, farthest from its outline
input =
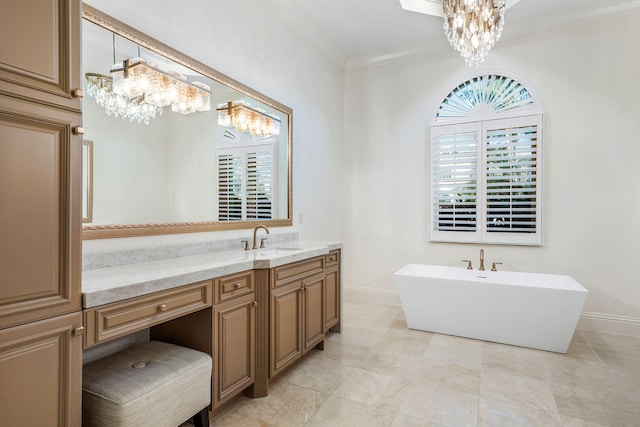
(177, 146)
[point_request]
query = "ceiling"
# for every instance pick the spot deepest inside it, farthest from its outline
(356, 29)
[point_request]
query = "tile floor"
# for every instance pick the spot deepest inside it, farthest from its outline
(379, 373)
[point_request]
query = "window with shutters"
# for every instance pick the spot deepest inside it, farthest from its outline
(246, 179)
(486, 164)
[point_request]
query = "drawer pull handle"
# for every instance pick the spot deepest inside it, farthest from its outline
(162, 307)
(236, 286)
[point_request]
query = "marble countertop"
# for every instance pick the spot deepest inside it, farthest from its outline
(112, 284)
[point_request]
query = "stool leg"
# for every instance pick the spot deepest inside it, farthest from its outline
(201, 419)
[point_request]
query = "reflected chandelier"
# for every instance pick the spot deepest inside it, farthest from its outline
(247, 119)
(138, 91)
(135, 109)
(473, 26)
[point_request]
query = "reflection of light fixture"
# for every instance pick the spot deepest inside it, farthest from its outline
(247, 119)
(473, 26)
(135, 109)
(136, 77)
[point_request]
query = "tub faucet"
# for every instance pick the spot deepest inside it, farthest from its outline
(255, 231)
(481, 260)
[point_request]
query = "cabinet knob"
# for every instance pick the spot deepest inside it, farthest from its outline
(77, 93)
(78, 130)
(78, 331)
(255, 303)
(162, 307)
(236, 285)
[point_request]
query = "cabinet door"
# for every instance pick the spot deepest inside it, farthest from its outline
(313, 311)
(40, 224)
(41, 373)
(331, 297)
(234, 347)
(285, 322)
(40, 51)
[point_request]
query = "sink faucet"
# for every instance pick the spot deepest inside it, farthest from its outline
(481, 260)
(255, 231)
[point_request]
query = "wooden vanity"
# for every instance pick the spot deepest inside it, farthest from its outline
(256, 323)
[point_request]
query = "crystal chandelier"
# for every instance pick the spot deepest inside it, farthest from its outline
(473, 26)
(247, 119)
(136, 77)
(135, 109)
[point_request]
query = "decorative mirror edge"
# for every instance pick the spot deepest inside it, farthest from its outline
(89, 232)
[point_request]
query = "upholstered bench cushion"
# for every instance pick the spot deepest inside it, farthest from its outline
(152, 384)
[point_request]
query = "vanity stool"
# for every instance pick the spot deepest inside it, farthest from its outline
(152, 384)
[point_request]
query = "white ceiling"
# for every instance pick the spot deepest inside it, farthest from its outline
(370, 28)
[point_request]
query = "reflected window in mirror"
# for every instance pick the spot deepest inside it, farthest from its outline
(247, 171)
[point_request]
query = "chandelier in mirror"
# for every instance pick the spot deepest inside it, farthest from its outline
(473, 26)
(138, 91)
(135, 109)
(246, 119)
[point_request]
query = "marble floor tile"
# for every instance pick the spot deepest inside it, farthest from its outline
(462, 351)
(319, 373)
(519, 360)
(372, 388)
(299, 409)
(503, 384)
(338, 411)
(498, 413)
(380, 373)
(443, 374)
(439, 407)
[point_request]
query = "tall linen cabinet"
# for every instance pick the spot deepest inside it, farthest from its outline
(40, 213)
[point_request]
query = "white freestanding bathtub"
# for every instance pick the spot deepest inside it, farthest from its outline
(526, 309)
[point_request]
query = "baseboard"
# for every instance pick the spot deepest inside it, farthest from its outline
(610, 323)
(385, 296)
(607, 331)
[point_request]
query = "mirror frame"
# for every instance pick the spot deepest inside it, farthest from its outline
(101, 19)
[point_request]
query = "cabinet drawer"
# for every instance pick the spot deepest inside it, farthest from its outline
(298, 270)
(111, 321)
(235, 285)
(333, 258)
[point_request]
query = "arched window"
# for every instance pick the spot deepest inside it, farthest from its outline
(486, 163)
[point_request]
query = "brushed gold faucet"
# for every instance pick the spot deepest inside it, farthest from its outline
(255, 232)
(481, 260)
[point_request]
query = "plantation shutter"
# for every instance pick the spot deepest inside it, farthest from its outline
(454, 188)
(229, 187)
(246, 183)
(259, 185)
(512, 180)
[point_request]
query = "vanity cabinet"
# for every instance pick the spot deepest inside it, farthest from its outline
(234, 336)
(40, 189)
(296, 322)
(332, 297)
(118, 319)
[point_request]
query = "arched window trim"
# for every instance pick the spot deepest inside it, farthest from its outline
(536, 107)
(480, 200)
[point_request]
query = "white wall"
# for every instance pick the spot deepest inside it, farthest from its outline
(249, 41)
(587, 77)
